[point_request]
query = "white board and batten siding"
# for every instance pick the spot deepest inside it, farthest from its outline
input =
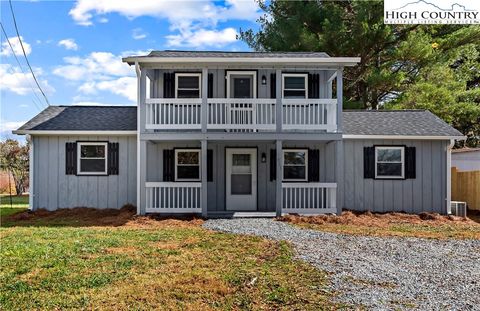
(54, 189)
(425, 193)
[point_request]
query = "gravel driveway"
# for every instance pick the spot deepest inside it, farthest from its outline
(381, 272)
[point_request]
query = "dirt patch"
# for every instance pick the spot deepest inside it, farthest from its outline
(378, 219)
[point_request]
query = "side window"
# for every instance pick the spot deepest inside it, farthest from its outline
(187, 85)
(92, 158)
(389, 162)
(295, 163)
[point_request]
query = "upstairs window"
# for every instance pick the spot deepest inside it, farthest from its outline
(295, 163)
(295, 85)
(187, 85)
(187, 165)
(389, 162)
(92, 158)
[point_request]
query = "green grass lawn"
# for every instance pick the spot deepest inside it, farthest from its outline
(150, 264)
(17, 204)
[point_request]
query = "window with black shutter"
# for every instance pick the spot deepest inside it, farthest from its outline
(389, 162)
(295, 165)
(92, 158)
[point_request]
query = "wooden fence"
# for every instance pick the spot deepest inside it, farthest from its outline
(466, 188)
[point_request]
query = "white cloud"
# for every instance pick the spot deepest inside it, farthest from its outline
(6, 127)
(187, 18)
(17, 48)
(138, 34)
(103, 20)
(203, 37)
(101, 72)
(68, 44)
(14, 80)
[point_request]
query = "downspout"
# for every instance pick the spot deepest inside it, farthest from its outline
(449, 176)
(30, 172)
(139, 188)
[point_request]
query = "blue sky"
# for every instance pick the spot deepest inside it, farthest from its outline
(75, 47)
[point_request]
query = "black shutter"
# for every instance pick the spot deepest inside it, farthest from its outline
(314, 165)
(273, 82)
(273, 164)
(168, 85)
(368, 162)
(113, 159)
(410, 162)
(313, 85)
(168, 165)
(71, 158)
(210, 85)
(209, 165)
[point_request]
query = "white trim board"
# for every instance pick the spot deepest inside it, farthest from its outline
(403, 137)
(73, 133)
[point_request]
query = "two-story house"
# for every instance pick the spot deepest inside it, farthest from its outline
(218, 133)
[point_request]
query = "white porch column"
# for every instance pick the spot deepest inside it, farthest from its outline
(278, 181)
(141, 145)
(339, 163)
(30, 173)
(278, 102)
(204, 190)
(339, 100)
(204, 107)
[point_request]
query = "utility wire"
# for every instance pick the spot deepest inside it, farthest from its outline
(21, 68)
(25, 54)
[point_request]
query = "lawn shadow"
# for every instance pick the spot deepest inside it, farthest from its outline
(474, 215)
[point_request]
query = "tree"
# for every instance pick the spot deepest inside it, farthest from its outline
(14, 158)
(398, 62)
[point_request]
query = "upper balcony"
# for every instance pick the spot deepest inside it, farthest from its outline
(240, 92)
(241, 114)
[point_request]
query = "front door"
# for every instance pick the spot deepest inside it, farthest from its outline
(242, 86)
(241, 179)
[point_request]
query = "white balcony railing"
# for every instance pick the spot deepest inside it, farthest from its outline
(309, 198)
(173, 113)
(242, 114)
(309, 114)
(173, 197)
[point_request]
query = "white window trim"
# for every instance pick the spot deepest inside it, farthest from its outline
(242, 73)
(199, 164)
(306, 163)
(198, 75)
(402, 161)
(285, 75)
(79, 157)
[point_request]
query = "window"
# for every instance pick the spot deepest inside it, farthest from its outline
(295, 164)
(187, 85)
(389, 162)
(295, 85)
(187, 165)
(92, 158)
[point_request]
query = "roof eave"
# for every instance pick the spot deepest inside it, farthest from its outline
(73, 132)
(335, 61)
(404, 137)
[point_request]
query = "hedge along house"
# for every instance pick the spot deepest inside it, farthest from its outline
(219, 133)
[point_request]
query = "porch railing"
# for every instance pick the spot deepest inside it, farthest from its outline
(242, 114)
(173, 197)
(309, 114)
(309, 198)
(173, 113)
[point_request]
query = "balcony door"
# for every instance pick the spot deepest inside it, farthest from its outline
(241, 179)
(241, 84)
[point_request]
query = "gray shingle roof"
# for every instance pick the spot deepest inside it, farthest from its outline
(396, 122)
(124, 118)
(84, 118)
(171, 53)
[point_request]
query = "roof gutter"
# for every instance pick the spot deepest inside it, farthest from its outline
(404, 137)
(342, 61)
(73, 133)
